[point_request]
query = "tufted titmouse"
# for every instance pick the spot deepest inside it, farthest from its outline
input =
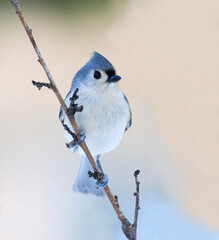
(105, 117)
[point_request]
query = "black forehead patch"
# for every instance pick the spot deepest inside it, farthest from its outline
(110, 72)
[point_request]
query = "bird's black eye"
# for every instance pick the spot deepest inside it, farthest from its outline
(97, 75)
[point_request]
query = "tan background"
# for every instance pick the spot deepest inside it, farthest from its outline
(167, 53)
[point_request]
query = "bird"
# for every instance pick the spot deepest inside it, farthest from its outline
(105, 117)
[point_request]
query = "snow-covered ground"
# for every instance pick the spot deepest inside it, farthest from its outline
(161, 219)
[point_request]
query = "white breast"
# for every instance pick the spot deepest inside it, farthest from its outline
(104, 118)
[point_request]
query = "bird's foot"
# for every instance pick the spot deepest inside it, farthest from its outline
(77, 140)
(102, 179)
(100, 184)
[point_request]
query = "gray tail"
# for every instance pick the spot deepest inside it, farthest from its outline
(83, 183)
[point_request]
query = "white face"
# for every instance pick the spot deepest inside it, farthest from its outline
(97, 78)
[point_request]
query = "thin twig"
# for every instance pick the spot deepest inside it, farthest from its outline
(39, 85)
(73, 108)
(137, 207)
(130, 230)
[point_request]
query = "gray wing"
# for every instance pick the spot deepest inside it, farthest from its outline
(130, 117)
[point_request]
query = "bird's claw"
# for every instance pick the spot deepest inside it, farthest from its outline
(102, 179)
(75, 142)
(101, 183)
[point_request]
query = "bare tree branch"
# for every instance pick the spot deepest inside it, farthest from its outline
(137, 207)
(113, 199)
(130, 230)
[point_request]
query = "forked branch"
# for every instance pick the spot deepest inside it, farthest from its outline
(70, 116)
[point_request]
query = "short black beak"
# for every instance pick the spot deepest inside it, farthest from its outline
(113, 79)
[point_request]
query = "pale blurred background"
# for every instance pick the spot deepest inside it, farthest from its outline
(167, 53)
